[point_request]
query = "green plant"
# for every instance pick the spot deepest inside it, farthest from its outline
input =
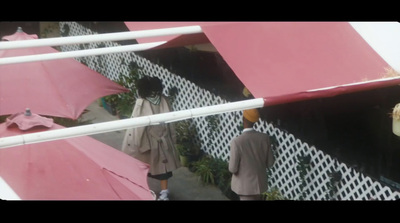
(303, 165)
(212, 124)
(186, 138)
(203, 169)
(112, 99)
(215, 171)
(124, 102)
(111, 102)
(272, 194)
(65, 30)
(128, 99)
(173, 92)
(183, 150)
(223, 178)
(334, 179)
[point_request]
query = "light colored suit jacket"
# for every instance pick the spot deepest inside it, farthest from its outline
(250, 156)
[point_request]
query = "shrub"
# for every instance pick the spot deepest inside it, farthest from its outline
(215, 171)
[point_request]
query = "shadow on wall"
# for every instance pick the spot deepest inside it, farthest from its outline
(208, 70)
(355, 128)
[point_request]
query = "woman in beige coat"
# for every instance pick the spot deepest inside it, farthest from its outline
(154, 144)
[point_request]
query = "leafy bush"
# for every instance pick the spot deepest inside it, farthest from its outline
(203, 168)
(124, 102)
(186, 135)
(215, 171)
(272, 194)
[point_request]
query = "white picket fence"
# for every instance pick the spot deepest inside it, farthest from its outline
(284, 175)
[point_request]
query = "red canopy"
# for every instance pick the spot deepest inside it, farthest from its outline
(62, 88)
(288, 61)
(80, 168)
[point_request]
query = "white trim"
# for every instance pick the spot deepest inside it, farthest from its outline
(117, 36)
(356, 83)
(79, 53)
(128, 123)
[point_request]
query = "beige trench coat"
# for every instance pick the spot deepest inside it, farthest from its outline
(153, 144)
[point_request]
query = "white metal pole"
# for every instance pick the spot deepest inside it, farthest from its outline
(79, 53)
(110, 126)
(117, 36)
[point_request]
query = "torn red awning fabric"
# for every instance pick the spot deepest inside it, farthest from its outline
(287, 61)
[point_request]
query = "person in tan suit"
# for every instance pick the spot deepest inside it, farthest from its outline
(250, 156)
(154, 144)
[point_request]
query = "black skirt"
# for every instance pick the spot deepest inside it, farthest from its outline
(163, 176)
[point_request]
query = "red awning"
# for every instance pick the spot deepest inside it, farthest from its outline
(289, 61)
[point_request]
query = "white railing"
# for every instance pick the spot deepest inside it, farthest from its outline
(284, 175)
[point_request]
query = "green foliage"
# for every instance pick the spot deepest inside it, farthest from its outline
(215, 171)
(182, 149)
(223, 178)
(65, 30)
(273, 194)
(334, 179)
(128, 99)
(212, 124)
(186, 138)
(112, 99)
(173, 92)
(203, 169)
(303, 166)
(124, 102)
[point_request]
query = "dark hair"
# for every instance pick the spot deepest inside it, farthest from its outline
(156, 85)
(149, 86)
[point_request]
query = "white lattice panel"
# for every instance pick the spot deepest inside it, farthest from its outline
(283, 175)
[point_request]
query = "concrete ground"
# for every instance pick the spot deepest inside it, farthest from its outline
(184, 185)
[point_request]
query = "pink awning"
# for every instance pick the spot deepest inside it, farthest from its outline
(79, 168)
(288, 61)
(61, 88)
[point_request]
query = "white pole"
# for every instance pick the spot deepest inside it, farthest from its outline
(79, 53)
(128, 123)
(117, 36)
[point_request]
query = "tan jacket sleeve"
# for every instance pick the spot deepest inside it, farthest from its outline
(138, 133)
